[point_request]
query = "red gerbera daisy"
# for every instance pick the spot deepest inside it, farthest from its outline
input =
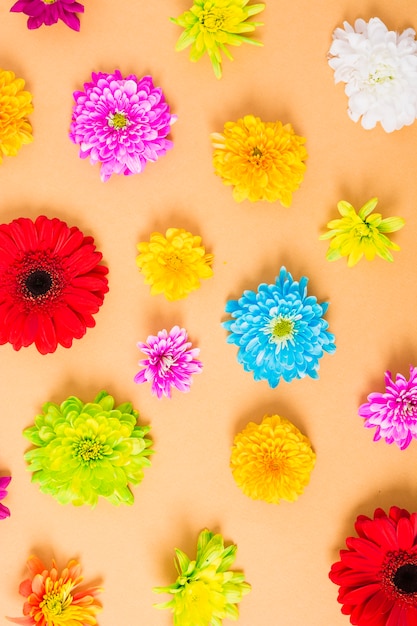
(51, 283)
(377, 574)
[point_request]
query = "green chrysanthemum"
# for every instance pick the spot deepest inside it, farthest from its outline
(205, 591)
(84, 451)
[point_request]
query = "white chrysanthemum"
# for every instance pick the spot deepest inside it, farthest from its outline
(379, 67)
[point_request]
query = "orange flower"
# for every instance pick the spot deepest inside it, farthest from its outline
(52, 599)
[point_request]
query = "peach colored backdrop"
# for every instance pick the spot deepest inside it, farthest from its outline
(286, 550)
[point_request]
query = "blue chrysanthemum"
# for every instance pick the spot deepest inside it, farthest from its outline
(279, 330)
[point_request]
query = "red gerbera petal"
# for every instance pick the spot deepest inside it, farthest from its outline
(51, 282)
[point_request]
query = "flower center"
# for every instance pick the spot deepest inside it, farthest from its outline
(53, 603)
(88, 450)
(281, 329)
(273, 464)
(117, 120)
(38, 283)
(56, 601)
(362, 230)
(405, 578)
(174, 262)
(166, 363)
(381, 74)
(48, 1)
(213, 19)
(399, 577)
(407, 404)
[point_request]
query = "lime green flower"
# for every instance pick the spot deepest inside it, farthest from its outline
(205, 591)
(362, 233)
(84, 451)
(211, 25)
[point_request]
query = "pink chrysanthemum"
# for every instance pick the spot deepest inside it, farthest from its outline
(4, 483)
(121, 123)
(393, 413)
(48, 12)
(171, 362)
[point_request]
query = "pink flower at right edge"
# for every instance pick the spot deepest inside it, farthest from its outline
(393, 413)
(49, 13)
(4, 483)
(171, 362)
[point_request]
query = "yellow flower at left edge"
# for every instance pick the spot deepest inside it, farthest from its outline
(15, 106)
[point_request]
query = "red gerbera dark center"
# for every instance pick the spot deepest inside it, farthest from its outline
(399, 577)
(39, 279)
(405, 578)
(38, 283)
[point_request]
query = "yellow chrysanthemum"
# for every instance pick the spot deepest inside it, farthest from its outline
(263, 161)
(211, 25)
(15, 106)
(361, 234)
(272, 461)
(174, 264)
(206, 591)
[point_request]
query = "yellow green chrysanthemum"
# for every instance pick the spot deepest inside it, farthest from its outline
(83, 451)
(361, 234)
(174, 263)
(206, 591)
(212, 25)
(15, 106)
(262, 161)
(272, 461)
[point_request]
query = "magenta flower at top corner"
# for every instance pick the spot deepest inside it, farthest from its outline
(49, 12)
(379, 69)
(4, 483)
(393, 413)
(121, 123)
(170, 362)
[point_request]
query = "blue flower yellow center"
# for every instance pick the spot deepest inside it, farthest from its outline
(212, 20)
(118, 120)
(88, 450)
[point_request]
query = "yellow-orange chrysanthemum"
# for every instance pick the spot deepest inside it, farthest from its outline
(53, 598)
(174, 264)
(261, 160)
(15, 106)
(272, 461)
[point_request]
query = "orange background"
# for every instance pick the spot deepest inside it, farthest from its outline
(285, 550)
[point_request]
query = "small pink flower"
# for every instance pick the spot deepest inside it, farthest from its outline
(48, 12)
(170, 362)
(4, 482)
(121, 123)
(393, 413)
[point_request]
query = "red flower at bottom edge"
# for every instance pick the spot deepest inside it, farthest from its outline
(51, 283)
(377, 574)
